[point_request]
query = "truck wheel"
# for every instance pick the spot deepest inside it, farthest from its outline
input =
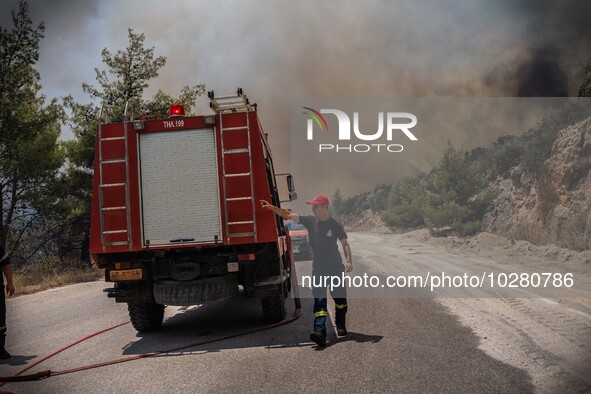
(145, 317)
(274, 308)
(287, 285)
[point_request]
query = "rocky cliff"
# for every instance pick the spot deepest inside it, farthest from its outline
(551, 204)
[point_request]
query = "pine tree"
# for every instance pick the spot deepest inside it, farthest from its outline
(124, 81)
(30, 154)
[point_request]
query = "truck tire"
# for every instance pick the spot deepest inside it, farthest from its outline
(195, 292)
(145, 316)
(274, 307)
(287, 266)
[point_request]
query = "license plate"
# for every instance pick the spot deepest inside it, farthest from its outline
(296, 249)
(133, 274)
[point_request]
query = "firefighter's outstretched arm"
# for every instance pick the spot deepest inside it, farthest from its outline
(284, 213)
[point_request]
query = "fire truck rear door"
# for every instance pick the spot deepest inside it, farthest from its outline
(179, 187)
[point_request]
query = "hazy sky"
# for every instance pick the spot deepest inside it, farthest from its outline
(280, 50)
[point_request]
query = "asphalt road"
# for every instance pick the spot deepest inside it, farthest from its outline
(431, 344)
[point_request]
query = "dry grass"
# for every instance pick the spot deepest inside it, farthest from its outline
(526, 232)
(50, 274)
(573, 235)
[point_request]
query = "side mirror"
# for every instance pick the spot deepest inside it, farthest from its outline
(293, 195)
(290, 187)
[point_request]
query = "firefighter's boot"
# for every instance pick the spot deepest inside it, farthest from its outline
(341, 312)
(3, 353)
(319, 338)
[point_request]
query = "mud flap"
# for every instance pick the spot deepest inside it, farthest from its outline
(195, 292)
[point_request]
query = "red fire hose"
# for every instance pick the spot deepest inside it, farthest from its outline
(19, 377)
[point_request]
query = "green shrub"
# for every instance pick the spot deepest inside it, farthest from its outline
(466, 229)
(404, 216)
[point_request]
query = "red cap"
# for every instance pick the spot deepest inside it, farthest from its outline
(318, 200)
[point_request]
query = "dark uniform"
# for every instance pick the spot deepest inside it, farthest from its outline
(326, 262)
(4, 260)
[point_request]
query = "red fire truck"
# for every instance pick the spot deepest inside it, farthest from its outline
(175, 214)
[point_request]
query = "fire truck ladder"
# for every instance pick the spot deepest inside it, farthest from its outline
(223, 106)
(102, 186)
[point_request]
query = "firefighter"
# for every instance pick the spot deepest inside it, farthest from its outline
(324, 231)
(7, 270)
